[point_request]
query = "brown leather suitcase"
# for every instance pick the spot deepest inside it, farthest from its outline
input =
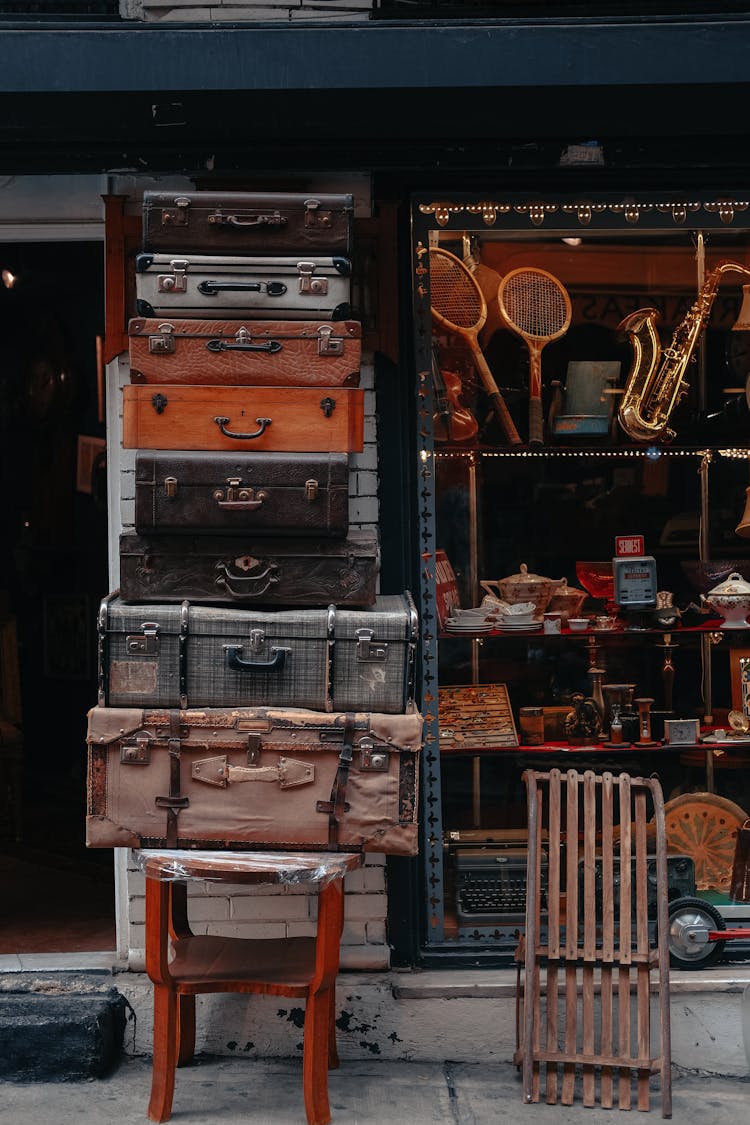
(242, 222)
(253, 778)
(248, 570)
(260, 353)
(264, 419)
(242, 493)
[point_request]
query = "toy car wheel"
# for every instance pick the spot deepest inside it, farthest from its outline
(690, 919)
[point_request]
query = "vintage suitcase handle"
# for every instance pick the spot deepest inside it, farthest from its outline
(271, 346)
(288, 773)
(272, 220)
(210, 288)
(233, 660)
(264, 423)
(242, 587)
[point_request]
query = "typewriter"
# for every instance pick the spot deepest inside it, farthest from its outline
(491, 885)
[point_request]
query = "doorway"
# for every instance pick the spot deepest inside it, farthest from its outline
(58, 896)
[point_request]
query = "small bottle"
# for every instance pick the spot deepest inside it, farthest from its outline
(531, 720)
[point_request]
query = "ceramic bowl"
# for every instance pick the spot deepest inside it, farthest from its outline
(578, 624)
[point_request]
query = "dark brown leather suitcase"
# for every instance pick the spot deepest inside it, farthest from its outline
(241, 222)
(257, 493)
(296, 353)
(250, 570)
(263, 419)
(253, 778)
(328, 658)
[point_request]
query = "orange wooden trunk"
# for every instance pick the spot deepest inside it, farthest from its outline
(281, 419)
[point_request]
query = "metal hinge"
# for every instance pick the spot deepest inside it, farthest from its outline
(164, 343)
(175, 282)
(328, 344)
(310, 284)
(367, 650)
(145, 643)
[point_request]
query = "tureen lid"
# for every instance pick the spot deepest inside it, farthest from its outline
(734, 584)
(526, 577)
(565, 591)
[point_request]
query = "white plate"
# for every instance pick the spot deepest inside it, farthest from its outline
(533, 628)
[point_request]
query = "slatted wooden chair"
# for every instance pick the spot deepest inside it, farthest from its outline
(588, 930)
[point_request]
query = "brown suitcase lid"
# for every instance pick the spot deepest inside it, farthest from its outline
(255, 329)
(250, 200)
(358, 544)
(211, 470)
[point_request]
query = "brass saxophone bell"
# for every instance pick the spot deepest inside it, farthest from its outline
(743, 527)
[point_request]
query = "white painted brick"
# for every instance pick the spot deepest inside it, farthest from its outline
(261, 931)
(137, 910)
(136, 883)
(367, 483)
(272, 908)
(365, 907)
(354, 881)
(201, 909)
(240, 890)
(353, 934)
(374, 879)
(374, 859)
(369, 430)
(364, 509)
(364, 958)
(301, 929)
(367, 459)
(370, 404)
(127, 484)
(375, 932)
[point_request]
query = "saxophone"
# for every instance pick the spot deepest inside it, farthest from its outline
(656, 381)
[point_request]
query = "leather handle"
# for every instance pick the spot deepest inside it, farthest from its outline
(250, 586)
(210, 287)
(239, 505)
(233, 660)
(222, 423)
(271, 346)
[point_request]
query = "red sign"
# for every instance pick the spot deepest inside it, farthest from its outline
(626, 545)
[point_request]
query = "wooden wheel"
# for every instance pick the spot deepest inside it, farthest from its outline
(705, 827)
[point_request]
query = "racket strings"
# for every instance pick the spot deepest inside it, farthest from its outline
(535, 304)
(453, 294)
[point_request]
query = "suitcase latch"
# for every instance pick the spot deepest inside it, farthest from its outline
(164, 343)
(314, 217)
(317, 286)
(136, 751)
(311, 490)
(176, 216)
(367, 650)
(371, 757)
(170, 487)
(237, 496)
(145, 643)
(175, 282)
(328, 344)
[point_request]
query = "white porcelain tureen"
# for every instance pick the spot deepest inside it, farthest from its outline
(731, 600)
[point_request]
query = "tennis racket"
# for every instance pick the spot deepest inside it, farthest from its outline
(458, 305)
(536, 307)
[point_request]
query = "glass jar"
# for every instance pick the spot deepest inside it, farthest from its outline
(531, 722)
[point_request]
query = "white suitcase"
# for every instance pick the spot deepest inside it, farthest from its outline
(215, 287)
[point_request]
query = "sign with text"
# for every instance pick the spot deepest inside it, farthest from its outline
(628, 546)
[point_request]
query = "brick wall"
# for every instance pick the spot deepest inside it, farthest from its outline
(257, 912)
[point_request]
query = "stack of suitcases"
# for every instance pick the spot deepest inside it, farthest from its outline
(255, 690)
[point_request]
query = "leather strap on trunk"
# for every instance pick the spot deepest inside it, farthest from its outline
(337, 805)
(174, 802)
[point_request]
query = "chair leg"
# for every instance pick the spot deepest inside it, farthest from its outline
(333, 1055)
(315, 1058)
(165, 1054)
(185, 1030)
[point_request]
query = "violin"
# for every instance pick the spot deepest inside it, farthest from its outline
(452, 421)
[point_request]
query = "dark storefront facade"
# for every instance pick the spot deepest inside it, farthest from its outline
(497, 133)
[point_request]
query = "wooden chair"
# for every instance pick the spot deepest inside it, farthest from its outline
(587, 917)
(181, 964)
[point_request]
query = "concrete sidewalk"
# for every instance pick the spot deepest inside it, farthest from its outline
(244, 1092)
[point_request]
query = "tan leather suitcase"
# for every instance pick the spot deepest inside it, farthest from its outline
(253, 778)
(281, 419)
(278, 353)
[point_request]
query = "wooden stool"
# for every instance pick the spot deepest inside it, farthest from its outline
(181, 964)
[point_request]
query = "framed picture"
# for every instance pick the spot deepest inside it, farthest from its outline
(740, 692)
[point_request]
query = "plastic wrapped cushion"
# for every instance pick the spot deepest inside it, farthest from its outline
(246, 867)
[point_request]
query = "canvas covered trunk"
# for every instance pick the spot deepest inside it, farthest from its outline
(260, 493)
(297, 353)
(253, 778)
(326, 659)
(207, 286)
(248, 570)
(263, 419)
(244, 222)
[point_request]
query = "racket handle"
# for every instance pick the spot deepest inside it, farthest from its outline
(536, 424)
(504, 418)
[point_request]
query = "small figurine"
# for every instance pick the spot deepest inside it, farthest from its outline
(584, 722)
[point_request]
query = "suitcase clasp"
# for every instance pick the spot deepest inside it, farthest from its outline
(136, 751)
(328, 344)
(314, 217)
(164, 343)
(238, 497)
(368, 651)
(317, 286)
(145, 643)
(372, 758)
(311, 490)
(176, 216)
(175, 282)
